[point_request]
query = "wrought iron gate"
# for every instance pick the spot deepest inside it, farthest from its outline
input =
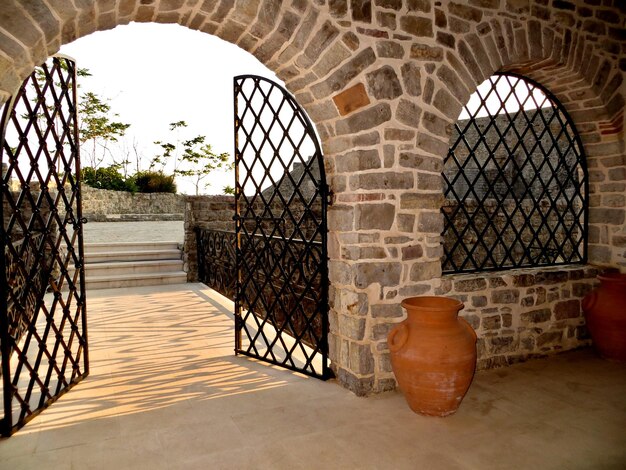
(281, 304)
(43, 329)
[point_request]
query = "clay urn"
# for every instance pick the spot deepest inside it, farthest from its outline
(433, 355)
(605, 313)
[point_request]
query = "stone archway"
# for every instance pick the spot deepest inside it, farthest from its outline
(383, 81)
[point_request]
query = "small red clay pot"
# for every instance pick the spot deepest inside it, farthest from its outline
(605, 312)
(433, 355)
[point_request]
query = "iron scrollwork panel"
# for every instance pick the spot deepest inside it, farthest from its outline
(43, 329)
(281, 306)
(216, 260)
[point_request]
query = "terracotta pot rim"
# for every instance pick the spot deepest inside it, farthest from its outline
(432, 302)
(613, 277)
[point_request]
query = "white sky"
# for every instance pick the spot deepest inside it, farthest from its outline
(155, 74)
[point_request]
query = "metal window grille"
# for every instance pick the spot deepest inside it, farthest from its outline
(515, 181)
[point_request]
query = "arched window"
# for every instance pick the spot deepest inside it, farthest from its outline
(515, 181)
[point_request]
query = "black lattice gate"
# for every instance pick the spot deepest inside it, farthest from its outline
(281, 305)
(43, 329)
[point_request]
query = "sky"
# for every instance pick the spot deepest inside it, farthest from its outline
(155, 74)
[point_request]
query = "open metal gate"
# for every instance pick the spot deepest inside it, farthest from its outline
(281, 303)
(43, 331)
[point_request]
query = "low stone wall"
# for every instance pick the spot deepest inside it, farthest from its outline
(103, 205)
(215, 212)
(522, 314)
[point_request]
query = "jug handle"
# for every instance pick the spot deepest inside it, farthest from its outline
(589, 301)
(398, 337)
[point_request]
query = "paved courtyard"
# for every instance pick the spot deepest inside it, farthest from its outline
(166, 392)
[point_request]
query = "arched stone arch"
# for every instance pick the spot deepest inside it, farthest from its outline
(383, 81)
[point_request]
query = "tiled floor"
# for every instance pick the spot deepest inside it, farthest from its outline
(166, 391)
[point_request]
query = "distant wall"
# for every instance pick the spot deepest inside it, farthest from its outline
(103, 205)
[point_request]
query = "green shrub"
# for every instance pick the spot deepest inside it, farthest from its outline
(154, 182)
(107, 178)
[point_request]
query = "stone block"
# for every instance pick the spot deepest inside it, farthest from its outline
(383, 83)
(403, 135)
(387, 311)
(352, 327)
(406, 222)
(523, 280)
(408, 113)
(390, 49)
(506, 296)
(375, 216)
(364, 120)
(479, 301)
(341, 218)
(465, 12)
(430, 222)
(429, 181)
(549, 338)
(470, 285)
(421, 201)
(493, 322)
(351, 69)
(567, 309)
(339, 272)
(385, 181)
(437, 125)
(361, 10)
(447, 104)
(388, 20)
(360, 386)
(428, 143)
(425, 271)
(338, 8)
(351, 99)
(411, 77)
(609, 216)
(416, 26)
(551, 277)
(501, 344)
(385, 274)
(357, 160)
(419, 289)
(421, 162)
(412, 252)
(536, 316)
(381, 331)
(423, 52)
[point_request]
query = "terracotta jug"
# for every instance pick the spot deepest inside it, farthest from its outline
(605, 312)
(433, 355)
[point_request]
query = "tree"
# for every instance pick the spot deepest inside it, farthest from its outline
(97, 127)
(192, 158)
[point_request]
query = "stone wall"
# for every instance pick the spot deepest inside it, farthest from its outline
(103, 205)
(215, 212)
(384, 81)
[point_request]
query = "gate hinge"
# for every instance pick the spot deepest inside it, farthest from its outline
(330, 196)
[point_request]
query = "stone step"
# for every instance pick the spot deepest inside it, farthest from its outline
(133, 264)
(120, 268)
(135, 280)
(92, 248)
(130, 256)
(137, 217)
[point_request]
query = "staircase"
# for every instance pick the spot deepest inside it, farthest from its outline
(132, 264)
